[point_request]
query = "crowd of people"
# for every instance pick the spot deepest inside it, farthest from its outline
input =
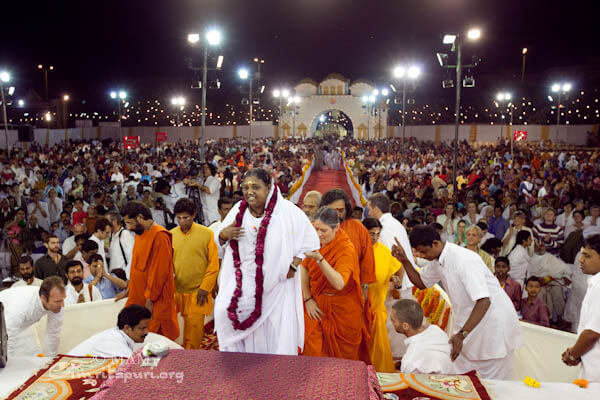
(208, 231)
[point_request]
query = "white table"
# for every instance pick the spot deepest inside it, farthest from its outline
(17, 371)
(515, 390)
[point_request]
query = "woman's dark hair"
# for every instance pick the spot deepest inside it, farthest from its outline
(423, 235)
(522, 236)
(184, 205)
(259, 173)
(371, 223)
(328, 216)
(593, 242)
(334, 195)
(134, 208)
(490, 244)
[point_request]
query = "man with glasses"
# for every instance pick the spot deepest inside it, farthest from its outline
(196, 265)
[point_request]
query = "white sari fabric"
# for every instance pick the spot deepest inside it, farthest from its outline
(280, 328)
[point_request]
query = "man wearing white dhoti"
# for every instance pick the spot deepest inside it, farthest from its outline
(259, 306)
(26, 305)
(132, 328)
(486, 329)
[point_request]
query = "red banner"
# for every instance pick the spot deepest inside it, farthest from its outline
(519, 136)
(161, 136)
(131, 142)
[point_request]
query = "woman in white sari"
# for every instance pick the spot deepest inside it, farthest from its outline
(259, 307)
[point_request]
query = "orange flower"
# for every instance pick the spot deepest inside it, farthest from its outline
(582, 383)
(41, 355)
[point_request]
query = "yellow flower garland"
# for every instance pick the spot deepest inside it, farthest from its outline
(299, 182)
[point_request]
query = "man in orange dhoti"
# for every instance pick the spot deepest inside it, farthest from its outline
(334, 324)
(152, 281)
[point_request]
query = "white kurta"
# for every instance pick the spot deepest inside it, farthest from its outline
(391, 229)
(427, 352)
(210, 206)
(110, 343)
(590, 320)
(36, 282)
(467, 279)
(280, 328)
(519, 264)
(126, 239)
(23, 308)
(73, 295)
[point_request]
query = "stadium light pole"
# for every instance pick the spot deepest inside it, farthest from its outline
(119, 97)
(456, 41)
(501, 99)
(562, 89)
(4, 78)
(212, 38)
(280, 94)
(244, 74)
(403, 73)
(41, 67)
(524, 52)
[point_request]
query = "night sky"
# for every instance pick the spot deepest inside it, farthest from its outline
(140, 45)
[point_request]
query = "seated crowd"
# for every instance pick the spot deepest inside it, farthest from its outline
(173, 235)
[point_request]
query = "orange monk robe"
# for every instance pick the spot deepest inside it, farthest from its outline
(152, 278)
(359, 236)
(341, 332)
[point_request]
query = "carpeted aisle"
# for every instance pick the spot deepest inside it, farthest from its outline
(325, 180)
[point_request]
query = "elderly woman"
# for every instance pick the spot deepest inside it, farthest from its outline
(473, 236)
(333, 300)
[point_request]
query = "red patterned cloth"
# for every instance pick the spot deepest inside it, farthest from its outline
(68, 377)
(199, 374)
(209, 341)
(400, 386)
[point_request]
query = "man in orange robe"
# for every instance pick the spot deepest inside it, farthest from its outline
(341, 332)
(152, 282)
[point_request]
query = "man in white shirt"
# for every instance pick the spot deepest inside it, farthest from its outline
(26, 271)
(121, 244)
(486, 328)
(210, 193)
(428, 350)
(26, 305)
(132, 328)
(117, 176)
(566, 218)
(40, 209)
(103, 231)
(69, 246)
(587, 348)
(379, 208)
(225, 205)
(594, 218)
(76, 290)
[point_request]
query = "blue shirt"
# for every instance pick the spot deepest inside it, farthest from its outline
(107, 289)
(498, 227)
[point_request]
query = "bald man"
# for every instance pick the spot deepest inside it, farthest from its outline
(311, 202)
(69, 247)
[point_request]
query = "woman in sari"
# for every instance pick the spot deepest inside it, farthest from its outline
(386, 268)
(333, 314)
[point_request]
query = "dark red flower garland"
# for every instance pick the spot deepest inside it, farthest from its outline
(258, 259)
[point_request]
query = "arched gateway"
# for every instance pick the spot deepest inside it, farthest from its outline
(334, 107)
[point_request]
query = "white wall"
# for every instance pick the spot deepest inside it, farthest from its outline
(572, 134)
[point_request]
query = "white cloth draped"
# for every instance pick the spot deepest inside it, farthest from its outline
(519, 264)
(392, 229)
(280, 328)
